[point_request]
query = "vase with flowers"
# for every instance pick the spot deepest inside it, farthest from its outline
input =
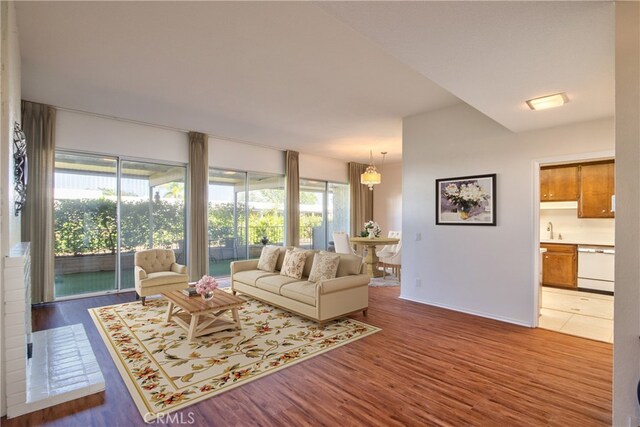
(465, 197)
(373, 229)
(206, 287)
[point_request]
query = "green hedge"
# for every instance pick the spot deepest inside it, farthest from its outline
(88, 226)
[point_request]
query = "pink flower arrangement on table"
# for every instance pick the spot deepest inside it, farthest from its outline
(206, 284)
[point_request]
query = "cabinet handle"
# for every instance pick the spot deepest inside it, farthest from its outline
(550, 194)
(603, 210)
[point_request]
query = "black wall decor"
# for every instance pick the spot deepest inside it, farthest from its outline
(19, 167)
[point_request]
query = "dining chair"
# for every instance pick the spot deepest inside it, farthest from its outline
(389, 255)
(342, 244)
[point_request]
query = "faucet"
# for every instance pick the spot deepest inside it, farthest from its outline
(550, 230)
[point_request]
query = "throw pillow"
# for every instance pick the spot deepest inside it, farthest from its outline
(268, 258)
(293, 263)
(325, 266)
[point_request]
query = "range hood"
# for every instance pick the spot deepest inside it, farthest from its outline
(559, 205)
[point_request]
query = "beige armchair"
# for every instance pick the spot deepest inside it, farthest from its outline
(156, 271)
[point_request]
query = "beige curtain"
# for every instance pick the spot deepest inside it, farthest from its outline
(361, 198)
(198, 234)
(292, 186)
(39, 124)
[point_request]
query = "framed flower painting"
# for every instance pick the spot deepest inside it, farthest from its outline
(467, 200)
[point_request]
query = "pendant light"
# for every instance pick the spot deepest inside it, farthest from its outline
(371, 176)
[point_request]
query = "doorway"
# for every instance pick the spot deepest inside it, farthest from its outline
(576, 230)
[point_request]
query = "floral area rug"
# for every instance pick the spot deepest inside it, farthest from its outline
(389, 280)
(164, 372)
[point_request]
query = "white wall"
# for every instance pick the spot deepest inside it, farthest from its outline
(103, 135)
(10, 96)
(90, 133)
(11, 113)
(626, 358)
(227, 154)
(323, 168)
(387, 198)
(483, 270)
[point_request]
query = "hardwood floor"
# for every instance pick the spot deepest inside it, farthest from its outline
(428, 366)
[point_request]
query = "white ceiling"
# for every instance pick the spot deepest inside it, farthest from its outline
(496, 55)
(332, 79)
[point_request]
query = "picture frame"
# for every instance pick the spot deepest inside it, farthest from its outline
(466, 200)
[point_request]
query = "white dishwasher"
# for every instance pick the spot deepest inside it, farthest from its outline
(596, 267)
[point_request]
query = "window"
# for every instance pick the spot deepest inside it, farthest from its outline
(106, 209)
(85, 224)
(152, 212)
(243, 209)
(324, 208)
(337, 208)
(266, 211)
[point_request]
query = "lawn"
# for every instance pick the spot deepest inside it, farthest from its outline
(103, 281)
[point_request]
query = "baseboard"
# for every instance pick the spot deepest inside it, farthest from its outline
(468, 311)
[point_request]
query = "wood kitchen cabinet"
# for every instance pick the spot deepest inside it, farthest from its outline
(559, 183)
(597, 186)
(560, 265)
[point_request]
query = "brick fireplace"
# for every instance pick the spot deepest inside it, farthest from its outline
(63, 366)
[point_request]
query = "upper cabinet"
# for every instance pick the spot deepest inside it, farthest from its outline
(559, 183)
(597, 187)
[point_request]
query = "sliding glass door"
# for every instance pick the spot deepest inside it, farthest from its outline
(227, 220)
(105, 210)
(337, 209)
(85, 224)
(246, 211)
(312, 214)
(152, 212)
(266, 212)
(324, 208)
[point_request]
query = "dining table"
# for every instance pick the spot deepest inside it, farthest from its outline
(372, 259)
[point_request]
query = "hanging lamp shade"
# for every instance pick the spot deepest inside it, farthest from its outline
(371, 176)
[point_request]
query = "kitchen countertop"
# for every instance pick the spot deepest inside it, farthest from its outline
(595, 242)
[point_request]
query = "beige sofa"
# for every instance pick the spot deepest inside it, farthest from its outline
(321, 301)
(156, 271)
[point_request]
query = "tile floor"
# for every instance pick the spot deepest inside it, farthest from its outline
(577, 313)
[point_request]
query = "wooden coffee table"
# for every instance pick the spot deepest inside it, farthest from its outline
(199, 317)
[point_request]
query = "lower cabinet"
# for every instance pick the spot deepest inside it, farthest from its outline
(560, 265)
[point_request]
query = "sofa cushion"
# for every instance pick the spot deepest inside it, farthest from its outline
(325, 266)
(308, 264)
(281, 255)
(303, 291)
(294, 262)
(164, 278)
(349, 264)
(268, 258)
(274, 283)
(249, 277)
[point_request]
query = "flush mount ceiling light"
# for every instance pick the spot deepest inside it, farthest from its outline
(549, 101)
(371, 176)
